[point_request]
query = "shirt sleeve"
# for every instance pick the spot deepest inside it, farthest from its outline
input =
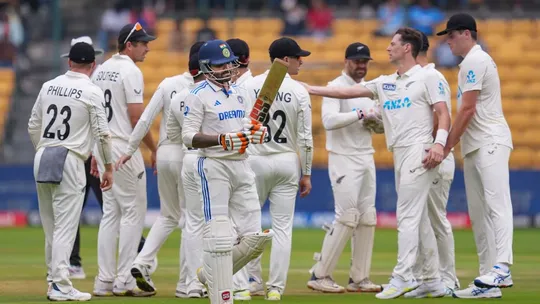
(134, 86)
(100, 126)
(145, 121)
(434, 88)
(305, 134)
(372, 85)
(193, 117)
(473, 74)
(174, 128)
(36, 119)
(332, 118)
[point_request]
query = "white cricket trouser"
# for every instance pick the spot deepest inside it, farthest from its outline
(413, 183)
(353, 181)
(124, 208)
(60, 210)
(487, 183)
(277, 176)
(194, 222)
(172, 203)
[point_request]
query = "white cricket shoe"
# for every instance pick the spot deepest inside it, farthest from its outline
(427, 290)
(73, 295)
(122, 289)
(473, 292)
(197, 293)
(102, 288)
(495, 278)
(242, 295)
(142, 277)
(363, 286)
(181, 294)
(256, 288)
(273, 294)
(327, 285)
(396, 288)
(76, 273)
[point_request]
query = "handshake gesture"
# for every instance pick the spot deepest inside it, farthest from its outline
(372, 120)
(253, 132)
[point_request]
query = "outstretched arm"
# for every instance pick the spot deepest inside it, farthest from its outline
(340, 92)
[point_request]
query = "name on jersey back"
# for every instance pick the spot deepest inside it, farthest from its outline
(107, 76)
(64, 92)
(280, 96)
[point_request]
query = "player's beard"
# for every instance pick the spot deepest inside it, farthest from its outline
(223, 76)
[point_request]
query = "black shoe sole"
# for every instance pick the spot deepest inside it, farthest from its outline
(141, 282)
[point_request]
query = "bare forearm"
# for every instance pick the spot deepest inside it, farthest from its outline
(341, 93)
(205, 141)
(460, 125)
(149, 142)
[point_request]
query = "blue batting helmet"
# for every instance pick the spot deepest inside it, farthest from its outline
(216, 52)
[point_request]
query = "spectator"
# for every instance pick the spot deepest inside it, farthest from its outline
(206, 33)
(11, 34)
(391, 16)
(319, 19)
(425, 17)
(146, 16)
(295, 18)
(112, 21)
(178, 39)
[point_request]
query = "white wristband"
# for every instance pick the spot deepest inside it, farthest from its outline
(442, 136)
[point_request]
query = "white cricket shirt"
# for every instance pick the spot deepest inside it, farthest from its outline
(212, 110)
(245, 77)
(122, 83)
(345, 133)
(405, 103)
(159, 103)
(444, 88)
(68, 113)
(175, 119)
(478, 72)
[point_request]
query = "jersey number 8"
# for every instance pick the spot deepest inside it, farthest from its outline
(60, 135)
(277, 136)
(107, 105)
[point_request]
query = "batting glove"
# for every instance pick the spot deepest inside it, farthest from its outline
(235, 141)
(256, 129)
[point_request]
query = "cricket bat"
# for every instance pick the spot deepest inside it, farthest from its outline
(269, 90)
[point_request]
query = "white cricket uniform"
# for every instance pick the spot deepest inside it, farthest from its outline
(124, 206)
(437, 201)
(67, 113)
(277, 169)
(486, 146)
(241, 278)
(226, 182)
(194, 218)
(169, 167)
(351, 169)
(406, 103)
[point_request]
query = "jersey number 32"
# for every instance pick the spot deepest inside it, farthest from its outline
(277, 136)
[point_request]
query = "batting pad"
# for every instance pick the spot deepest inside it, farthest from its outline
(249, 248)
(362, 246)
(334, 242)
(217, 259)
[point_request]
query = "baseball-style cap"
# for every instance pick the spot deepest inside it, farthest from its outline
(195, 48)
(459, 21)
(240, 48)
(85, 39)
(357, 50)
(82, 52)
(193, 65)
(286, 47)
(133, 32)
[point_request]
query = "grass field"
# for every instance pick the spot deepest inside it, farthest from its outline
(22, 275)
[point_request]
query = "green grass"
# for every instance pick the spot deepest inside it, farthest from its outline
(22, 275)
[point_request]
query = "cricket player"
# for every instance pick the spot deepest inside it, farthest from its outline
(213, 122)
(240, 49)
(438, 227)
(351, 169)
(276, 163)
(486, 144)
(194, 217)
(67, 120)
(169, 167)
(124, 206)
(408, 100)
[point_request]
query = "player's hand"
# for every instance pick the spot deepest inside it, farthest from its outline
(257, 130)
(372, 114)
(153, 158)
(94, 168)
(434, 157)
(106, 181)
(121, 161)
(305, 185)
(238, 141)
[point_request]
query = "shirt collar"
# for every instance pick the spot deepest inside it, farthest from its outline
(76, 75)
(429, 66)
(217, 88)
(122, 56)
(243, 78)
(473, 50)
(349, 79)
(268, 71)
(410, 72)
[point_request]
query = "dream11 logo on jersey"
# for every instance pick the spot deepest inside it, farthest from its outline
(397, 104)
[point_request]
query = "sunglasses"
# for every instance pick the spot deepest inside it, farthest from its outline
(136, 27)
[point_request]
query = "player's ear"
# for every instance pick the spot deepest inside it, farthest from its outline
(69, 63)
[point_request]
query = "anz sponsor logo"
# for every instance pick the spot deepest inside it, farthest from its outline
(233, 114)
(397, 104)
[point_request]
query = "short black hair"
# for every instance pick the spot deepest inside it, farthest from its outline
(411, 36)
